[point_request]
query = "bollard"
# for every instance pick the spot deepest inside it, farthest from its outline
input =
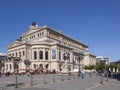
(68, 76)
(115, 75)
(62, 77)
(90, 74)
(101, 79)
(73, 76)
(44, 78)
(53, 77)
(31, 80)
(16, 81)
(78, 76)
(111, 75)
(107, 77)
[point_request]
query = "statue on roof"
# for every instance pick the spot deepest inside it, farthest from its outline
(33, 25)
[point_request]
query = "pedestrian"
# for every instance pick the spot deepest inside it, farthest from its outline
(28, 74)
(82, 72)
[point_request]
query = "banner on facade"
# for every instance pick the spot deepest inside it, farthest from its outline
(53, 54)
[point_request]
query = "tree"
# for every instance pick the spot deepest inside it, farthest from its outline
(99, 67)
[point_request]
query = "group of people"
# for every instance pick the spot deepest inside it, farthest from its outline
(7, 74)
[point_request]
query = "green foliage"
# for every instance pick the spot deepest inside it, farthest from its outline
(113, 66)
(89, 67)
(118, 66)
(86, 67)
(99, 67)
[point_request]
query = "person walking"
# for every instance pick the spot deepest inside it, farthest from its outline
(82, 72)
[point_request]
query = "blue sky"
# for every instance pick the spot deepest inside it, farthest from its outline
(93, 22)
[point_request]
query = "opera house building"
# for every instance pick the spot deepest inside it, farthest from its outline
(44, 48)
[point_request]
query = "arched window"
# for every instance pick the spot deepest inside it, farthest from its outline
(46, 55)
(41, 66)
(19, 54)
(13, 54)
(23, 53)
(6, 66)
(10, 66)
(35, 66)
(16, 54)
(35, 55)
(41, 54)
(42, 33)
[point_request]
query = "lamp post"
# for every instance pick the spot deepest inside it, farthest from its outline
(102, 63)
(66, 57)
(66, 61)
(80, 57)
(27, 63)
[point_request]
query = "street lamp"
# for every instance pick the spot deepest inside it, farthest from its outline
(102, 63)
(80, 57)
(27, 63)
(66, 60)
(66, 57)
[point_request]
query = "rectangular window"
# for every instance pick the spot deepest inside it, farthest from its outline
(59, 55)
(46, 55)
(16, 54)
(23, 53)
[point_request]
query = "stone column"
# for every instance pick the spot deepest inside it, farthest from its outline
(25, 52)
(43, 54)
(62, 55)
(49, 58)
(37, 54)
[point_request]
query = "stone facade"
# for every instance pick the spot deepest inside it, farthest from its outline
(44, 48)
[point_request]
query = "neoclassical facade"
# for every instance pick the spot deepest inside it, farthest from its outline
(43, 47)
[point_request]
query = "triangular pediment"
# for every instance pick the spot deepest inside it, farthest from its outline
(14, 44)
(31, 30)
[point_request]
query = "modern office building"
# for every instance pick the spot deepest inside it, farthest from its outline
(100, 59)
(48, 49)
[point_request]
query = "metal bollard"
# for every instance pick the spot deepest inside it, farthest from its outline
(16, 81)
(107, 77)
(31, 80)
(62, 77)
(101, 79)
(44, 79)
(53, 77)
(73, 76)
(111, 75)
(68, 76)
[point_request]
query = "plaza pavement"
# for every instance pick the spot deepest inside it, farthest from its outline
(51, 83)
